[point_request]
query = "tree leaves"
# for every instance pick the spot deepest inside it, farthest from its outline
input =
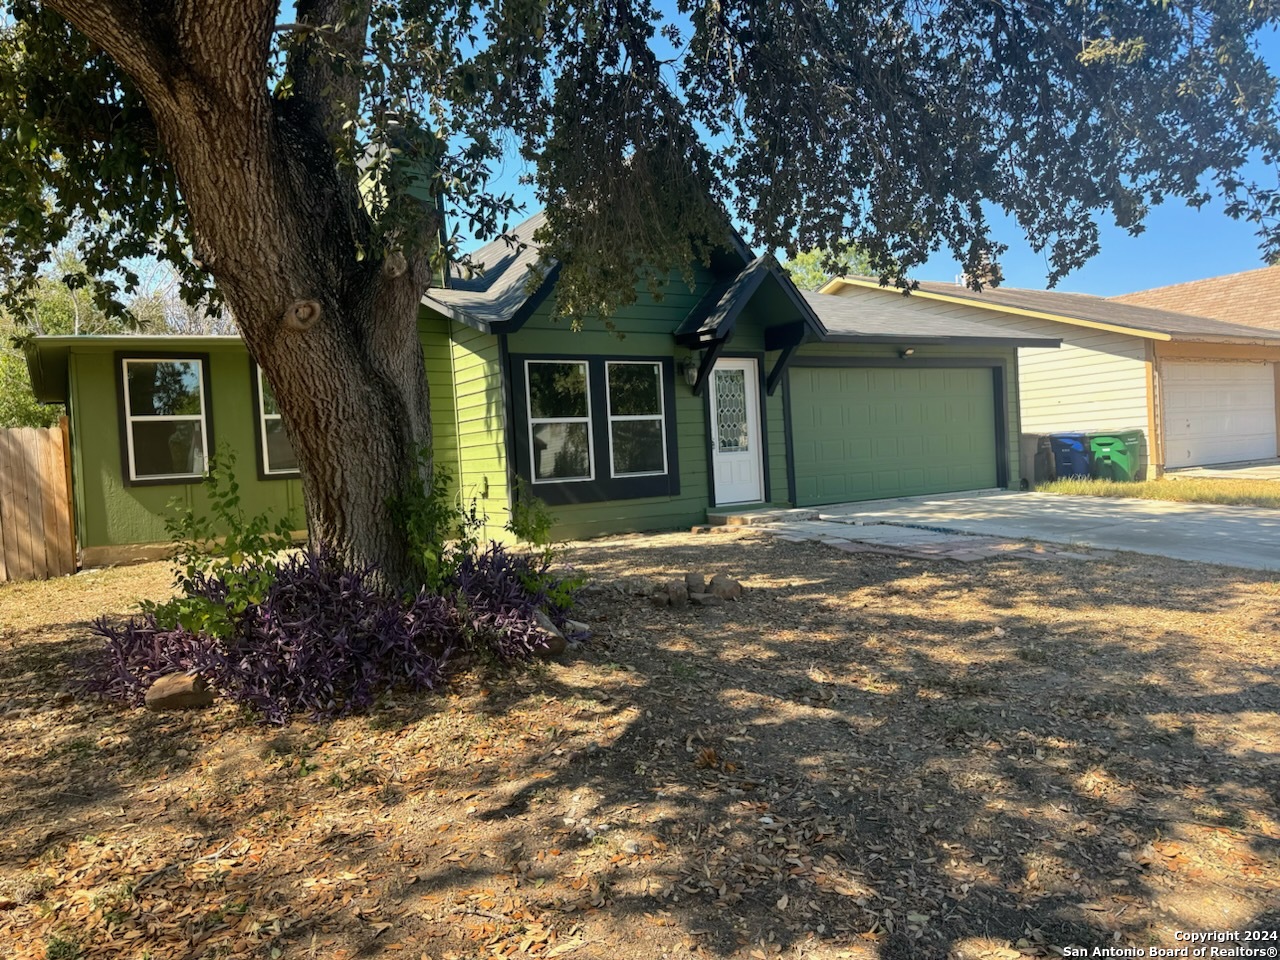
(896, 126)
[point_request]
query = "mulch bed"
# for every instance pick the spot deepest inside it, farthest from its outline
(865, 756)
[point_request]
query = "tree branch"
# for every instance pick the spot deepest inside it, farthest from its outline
(325, 61)
(214, 45)
(127, 37)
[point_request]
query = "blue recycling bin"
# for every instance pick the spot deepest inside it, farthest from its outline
(1070, 454)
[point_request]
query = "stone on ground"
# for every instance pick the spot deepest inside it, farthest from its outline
(726, 588)
(178, 691)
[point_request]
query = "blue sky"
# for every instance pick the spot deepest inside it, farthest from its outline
(1179, 243)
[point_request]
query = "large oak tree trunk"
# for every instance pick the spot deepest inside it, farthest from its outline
(356, 412)
(326, 308)
(336, 336)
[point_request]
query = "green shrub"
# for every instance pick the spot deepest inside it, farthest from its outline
(445, 530)
(531, 519)
(227, 545)
(442, 528)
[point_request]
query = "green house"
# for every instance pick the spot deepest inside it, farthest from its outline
(740, 391)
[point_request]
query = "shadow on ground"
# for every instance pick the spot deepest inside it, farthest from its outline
(863, 757)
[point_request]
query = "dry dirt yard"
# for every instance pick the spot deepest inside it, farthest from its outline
(864, 757)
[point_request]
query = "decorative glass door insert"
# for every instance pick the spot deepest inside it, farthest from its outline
(732, 425)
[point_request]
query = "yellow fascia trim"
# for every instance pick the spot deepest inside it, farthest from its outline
(834, 284)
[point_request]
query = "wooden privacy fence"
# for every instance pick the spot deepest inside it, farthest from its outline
(35, 504)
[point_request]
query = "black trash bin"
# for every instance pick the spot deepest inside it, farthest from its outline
(1044, 467)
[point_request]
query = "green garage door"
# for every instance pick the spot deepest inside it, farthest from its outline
(867, 433)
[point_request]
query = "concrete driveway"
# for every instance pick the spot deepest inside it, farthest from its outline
(1245, 470)
(1235, 536)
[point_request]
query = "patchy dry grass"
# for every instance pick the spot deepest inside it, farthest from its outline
(1243, 493)
(863, 758)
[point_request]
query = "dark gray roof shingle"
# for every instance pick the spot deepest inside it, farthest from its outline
(1084, 306)
(899, 319)
(499, 287)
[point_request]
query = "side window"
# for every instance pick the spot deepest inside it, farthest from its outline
(559, 420)
(637, 430)
(278, 458)
(166, 423)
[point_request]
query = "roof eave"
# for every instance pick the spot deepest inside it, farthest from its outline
(47, 367)
(1244, 341)
(922, 340)
(530, 303)
(455, 313)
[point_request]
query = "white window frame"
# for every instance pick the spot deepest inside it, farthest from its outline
(263, 417)
(660, 416)
(534, 421)
(130, 420)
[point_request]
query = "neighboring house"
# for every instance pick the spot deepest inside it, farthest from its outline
(739, 391)
(1251, 297)
(1202, 390)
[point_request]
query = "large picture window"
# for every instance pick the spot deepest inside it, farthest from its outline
(637, 434)
(595, 428)
(559, 420)
(277, 456)
(166, 426)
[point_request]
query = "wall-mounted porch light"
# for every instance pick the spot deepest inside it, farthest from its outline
(907, 352)
(689, 370)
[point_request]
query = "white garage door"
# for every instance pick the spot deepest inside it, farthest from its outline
(1218, 412)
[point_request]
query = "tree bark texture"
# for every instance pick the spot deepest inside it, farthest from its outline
(281, 229)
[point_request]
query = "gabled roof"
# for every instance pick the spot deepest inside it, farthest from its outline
(505, 283)
(1082, 309)
(514, 278)
(897, 320)
(716, 314)
(1250, 297)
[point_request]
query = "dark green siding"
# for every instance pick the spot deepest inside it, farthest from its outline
(645, 329)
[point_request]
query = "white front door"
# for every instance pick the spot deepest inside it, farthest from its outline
(735, 432)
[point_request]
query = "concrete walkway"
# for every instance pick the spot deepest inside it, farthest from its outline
(1207, 533)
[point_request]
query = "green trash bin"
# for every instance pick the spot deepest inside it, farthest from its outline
(1116, 456)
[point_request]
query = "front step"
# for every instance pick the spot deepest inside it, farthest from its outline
(759, 516)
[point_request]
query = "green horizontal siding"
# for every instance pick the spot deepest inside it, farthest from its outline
(480, 425)
(111, 513)
(645, 329)
(437, 355)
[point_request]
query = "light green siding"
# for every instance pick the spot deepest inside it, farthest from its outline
(869, 433)
(437, 354)
(111, 513)
(480, 424)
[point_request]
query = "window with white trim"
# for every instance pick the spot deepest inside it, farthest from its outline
(278, 456)
(165, 420)
(559, 404)
(637, 420)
